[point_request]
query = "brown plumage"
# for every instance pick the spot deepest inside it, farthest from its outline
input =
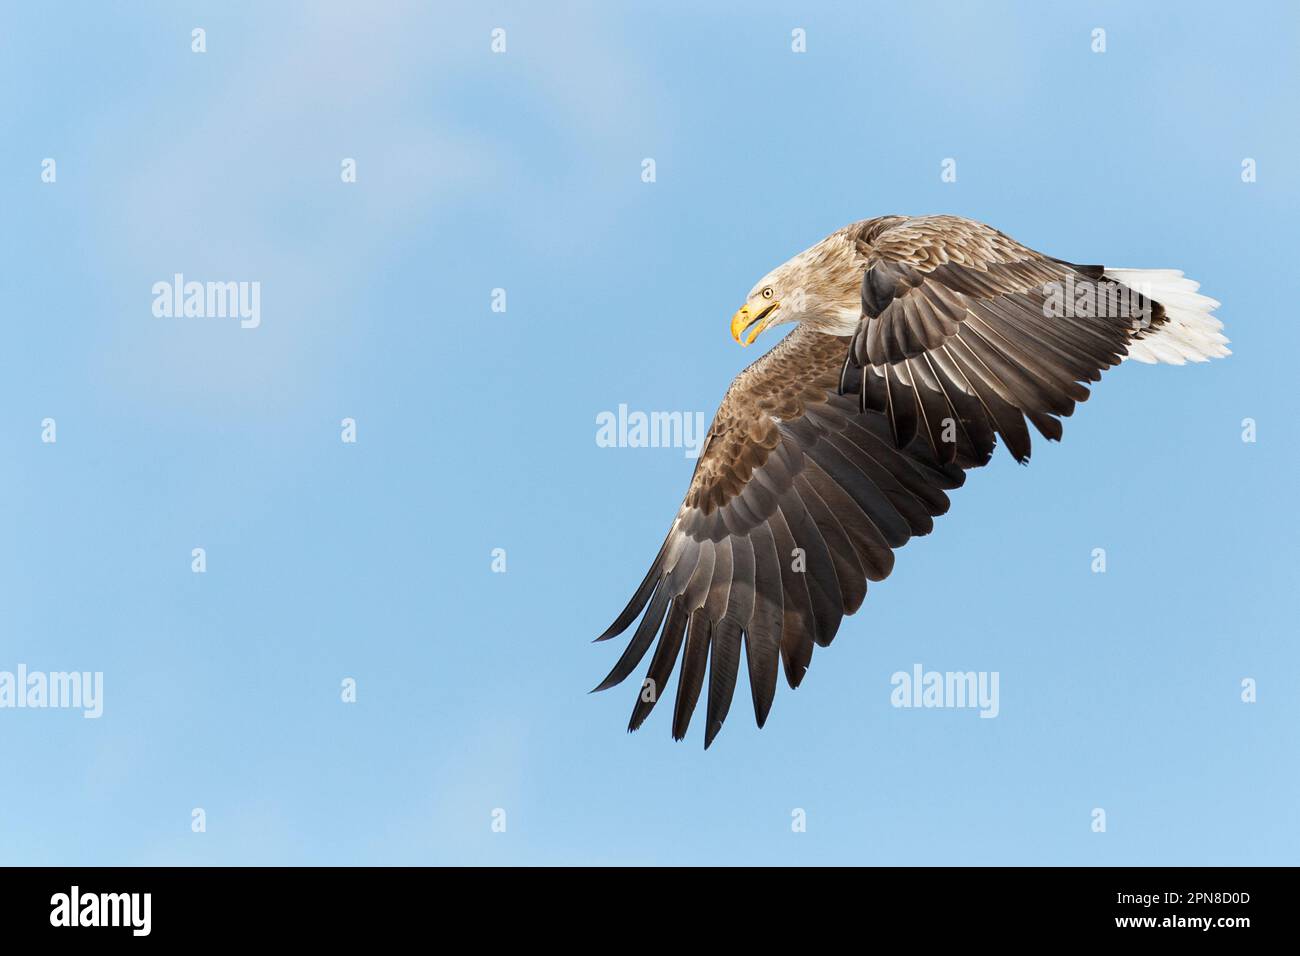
(920, 341)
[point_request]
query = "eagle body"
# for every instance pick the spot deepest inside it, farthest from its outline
(921, 342)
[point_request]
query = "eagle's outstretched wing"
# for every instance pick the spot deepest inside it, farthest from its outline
(965, 333)
(798, 500)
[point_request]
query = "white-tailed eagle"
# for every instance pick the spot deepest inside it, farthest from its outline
(920, 342)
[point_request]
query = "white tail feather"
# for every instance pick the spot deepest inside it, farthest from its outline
(1191, 332)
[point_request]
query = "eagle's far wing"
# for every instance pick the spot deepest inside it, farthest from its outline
(965, 333)
(797, 501)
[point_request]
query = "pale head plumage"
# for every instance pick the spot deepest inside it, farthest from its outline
(820, 287)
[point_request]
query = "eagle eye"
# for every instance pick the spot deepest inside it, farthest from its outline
(767, 293)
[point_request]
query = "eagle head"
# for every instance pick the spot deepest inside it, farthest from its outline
(821, 287)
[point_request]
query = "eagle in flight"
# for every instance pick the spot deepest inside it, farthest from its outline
(920, 342)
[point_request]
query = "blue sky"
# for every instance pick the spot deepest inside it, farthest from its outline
(476, 430)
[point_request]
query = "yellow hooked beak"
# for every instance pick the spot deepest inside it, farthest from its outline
(745, 320)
